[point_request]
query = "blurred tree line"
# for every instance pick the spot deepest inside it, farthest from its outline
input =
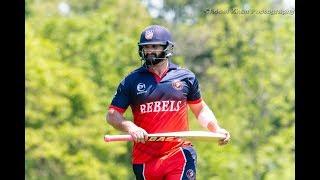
(77, 51)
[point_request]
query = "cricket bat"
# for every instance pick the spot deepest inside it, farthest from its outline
(169, 136)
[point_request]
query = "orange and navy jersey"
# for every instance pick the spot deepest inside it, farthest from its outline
(159, 104)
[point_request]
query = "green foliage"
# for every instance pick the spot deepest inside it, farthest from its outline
(246, 72)
(74, 62)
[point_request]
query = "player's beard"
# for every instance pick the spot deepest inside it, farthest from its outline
(153, 59)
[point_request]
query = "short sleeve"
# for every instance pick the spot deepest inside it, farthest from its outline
(121, 99)
(194, 95)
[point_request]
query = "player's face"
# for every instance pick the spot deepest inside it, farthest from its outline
(152, 50)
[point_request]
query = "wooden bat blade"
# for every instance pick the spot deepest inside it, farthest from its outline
(195, 135)
(168, 136)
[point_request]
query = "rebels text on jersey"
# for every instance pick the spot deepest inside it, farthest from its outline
(159, 104)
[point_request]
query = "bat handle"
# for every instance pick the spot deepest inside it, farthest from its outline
(109, 138)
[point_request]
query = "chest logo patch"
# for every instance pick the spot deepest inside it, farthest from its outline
(177, 84)
(141, 88)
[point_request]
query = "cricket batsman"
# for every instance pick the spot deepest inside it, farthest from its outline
(159, 93)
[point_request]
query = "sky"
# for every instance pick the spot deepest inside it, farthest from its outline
(289, 3)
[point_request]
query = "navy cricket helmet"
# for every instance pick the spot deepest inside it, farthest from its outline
(156, 35)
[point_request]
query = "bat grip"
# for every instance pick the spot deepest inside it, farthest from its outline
(109, 138)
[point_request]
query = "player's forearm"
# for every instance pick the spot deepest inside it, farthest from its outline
(213, 126)
(116, 120)
(207, 119)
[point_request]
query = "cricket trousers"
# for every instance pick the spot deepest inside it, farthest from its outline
(179, 165)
